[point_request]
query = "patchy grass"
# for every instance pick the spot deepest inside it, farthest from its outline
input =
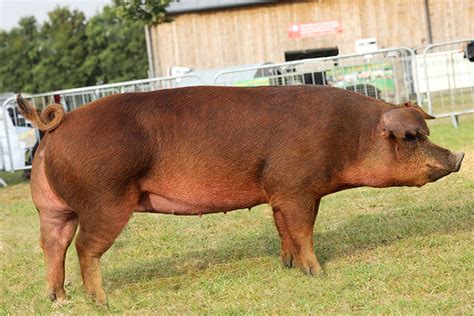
(385, 251)
(451, 100)
(12, 178)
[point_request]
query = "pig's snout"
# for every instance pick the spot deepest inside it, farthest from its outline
(441, 168)
(458, 157)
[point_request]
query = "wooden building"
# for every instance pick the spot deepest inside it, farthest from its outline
(222, 33)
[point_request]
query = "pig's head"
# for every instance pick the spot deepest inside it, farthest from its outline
(402, 155)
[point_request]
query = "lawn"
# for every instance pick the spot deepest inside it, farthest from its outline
(444, 102)
(385, 251)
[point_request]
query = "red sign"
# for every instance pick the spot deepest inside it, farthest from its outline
(314, 29)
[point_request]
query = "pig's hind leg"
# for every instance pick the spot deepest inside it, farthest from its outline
(299, 214)
(98, 229)
(57, 232)
(58, 224)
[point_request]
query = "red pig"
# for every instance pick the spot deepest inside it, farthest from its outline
(201, 150)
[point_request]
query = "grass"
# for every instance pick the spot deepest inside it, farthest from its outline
(12, 178)
(385, 251)
(444, 102)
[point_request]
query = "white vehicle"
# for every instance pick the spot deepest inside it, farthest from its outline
(17, 137)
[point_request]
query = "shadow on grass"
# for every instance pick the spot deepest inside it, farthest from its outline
(373, 230)
(12, 178)
(362, 232)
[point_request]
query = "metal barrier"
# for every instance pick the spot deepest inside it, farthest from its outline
(19, 137)
(445, 79)
(74, 98)
(385, 74)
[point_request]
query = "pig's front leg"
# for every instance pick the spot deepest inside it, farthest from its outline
(288, 252)
(295, 217)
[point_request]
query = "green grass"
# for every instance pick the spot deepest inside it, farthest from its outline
(12, 178)
(443, 133)
(385, 251)
(444, 102)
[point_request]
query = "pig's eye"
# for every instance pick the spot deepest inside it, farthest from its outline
(410, 137)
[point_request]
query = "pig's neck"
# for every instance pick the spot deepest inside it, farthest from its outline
(366, 166)
(365, 175)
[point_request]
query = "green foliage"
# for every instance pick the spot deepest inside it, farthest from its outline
(68, 51)
(147, 11)
(62, 51)
(18, 53)
(116, 52)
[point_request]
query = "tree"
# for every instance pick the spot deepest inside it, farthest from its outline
(148, 11)
(116, 48)
(18, 54)
(63, 51)
(68, 51)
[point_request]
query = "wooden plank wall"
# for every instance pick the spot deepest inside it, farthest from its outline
(258, 34)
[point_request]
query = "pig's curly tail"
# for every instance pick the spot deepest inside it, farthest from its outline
(47, 120)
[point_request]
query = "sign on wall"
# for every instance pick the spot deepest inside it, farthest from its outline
(299, 30)
(366, 45)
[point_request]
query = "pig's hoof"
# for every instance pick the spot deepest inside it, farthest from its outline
(287, 262)
(99, 298)
(313, 271)
(287, 259)
(310, 267)
(54, 295)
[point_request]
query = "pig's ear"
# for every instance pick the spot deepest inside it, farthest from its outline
(425, 115)
(404, 121)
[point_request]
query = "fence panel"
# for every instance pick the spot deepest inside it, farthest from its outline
(446, 79)
(74, 98)
(18, 137)
(384, 74)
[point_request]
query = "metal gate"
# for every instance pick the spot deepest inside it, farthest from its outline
(446, 79)
(74, 98)
(385, 74)
(18, 136)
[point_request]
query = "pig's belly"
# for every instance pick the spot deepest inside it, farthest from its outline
(189, 197)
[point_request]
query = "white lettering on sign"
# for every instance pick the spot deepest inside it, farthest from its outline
(298, 30)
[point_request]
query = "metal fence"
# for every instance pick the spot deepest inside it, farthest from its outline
(18, 137)
(445, 79)
(74, 98)
(385, 74)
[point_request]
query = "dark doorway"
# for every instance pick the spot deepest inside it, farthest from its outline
(311, 53)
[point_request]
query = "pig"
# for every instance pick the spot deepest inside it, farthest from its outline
(202, 150)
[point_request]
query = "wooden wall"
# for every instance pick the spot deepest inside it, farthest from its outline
(258, 34)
